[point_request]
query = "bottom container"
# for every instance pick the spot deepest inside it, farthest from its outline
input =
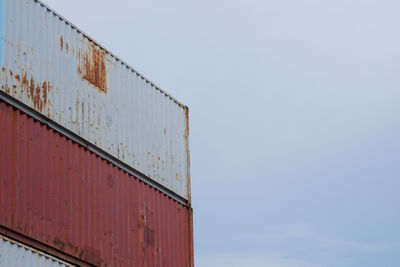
(62, 196)
(15, 254)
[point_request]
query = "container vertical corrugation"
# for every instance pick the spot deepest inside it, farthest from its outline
(51, 67)
(63, 196)
(15, 254)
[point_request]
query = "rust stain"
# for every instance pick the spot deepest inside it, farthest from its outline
(83, 111)
(72, 248)
(61, 43)
(44, 92)
(11, 73)
(31, 88)
(94, 68)
(146, 235)
(66, 46)
(59, 244)
(37, 92)
(187, 121)
(91, 255)
(36, 98)
(25, 82)
(24, 79)
(141, 224)
(7, 88)
(17, 77)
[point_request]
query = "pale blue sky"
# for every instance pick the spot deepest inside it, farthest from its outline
(294, 112)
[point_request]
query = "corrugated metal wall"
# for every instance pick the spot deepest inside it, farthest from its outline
(58, 193)
(14, 254)
(51, 66)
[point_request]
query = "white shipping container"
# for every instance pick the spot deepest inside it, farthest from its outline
(52, 67)
(15, 254)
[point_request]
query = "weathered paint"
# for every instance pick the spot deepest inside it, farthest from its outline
(94, 68)
(56, 192)
(52, 67)
(15, 254)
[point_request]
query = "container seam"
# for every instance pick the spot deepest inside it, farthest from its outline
(84, 143)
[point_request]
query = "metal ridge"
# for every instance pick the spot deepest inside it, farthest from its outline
(34, 250)
(86, 144)
(109, 52)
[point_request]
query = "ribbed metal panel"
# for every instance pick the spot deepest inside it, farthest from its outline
(56, 192)
(51, 66)
(15, 254)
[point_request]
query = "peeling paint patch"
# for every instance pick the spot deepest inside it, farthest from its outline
(94, 67)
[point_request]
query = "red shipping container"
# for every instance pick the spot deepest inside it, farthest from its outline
(65, 197)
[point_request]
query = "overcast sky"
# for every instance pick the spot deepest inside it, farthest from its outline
(295, 120)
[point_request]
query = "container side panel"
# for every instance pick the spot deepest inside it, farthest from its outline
(14, 254)
(60, 194)
(52, 67)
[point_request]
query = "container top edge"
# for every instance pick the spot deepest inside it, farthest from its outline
(111, 54)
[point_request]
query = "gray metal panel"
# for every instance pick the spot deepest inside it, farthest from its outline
(52, 67)
(14, 254)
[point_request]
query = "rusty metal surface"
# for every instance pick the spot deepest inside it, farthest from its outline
(59, 193)
(15, 254)
(51, 66)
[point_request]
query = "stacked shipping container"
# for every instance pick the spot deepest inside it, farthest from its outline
(15, 254)
(94, 158)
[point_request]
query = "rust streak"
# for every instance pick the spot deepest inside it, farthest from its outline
(31, 88)
(37, 92)
(61, 43)
(36, 98)
(83, 111)
(17, 77)
(44, 93)
(66, 46)
(25, 82)
(7, 88)
(94, 68)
